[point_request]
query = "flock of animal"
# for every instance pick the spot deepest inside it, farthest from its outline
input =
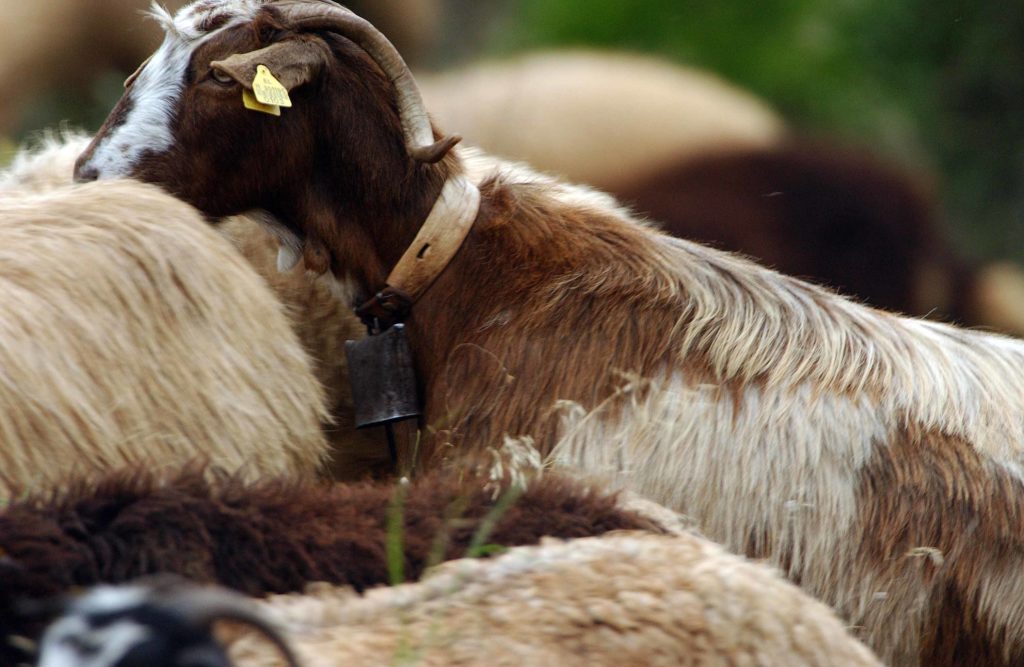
(645, 436)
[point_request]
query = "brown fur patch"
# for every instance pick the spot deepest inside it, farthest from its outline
(499, 338)
(935, 511)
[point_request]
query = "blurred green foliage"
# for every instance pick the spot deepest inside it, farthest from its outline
(938, 84)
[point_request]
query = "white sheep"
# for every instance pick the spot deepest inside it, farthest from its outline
(119, 344)
(606, 119)
(320, 321)
(625, 599)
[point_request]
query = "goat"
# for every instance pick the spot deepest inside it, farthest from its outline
(875, 459)
(623, 599)
(119, 344)
(626, 598)
(320, 321)
(277, 535)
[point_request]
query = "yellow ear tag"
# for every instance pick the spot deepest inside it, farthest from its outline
(268, 89)
(250, 102)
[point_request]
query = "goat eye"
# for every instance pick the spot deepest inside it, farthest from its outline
(221, 77)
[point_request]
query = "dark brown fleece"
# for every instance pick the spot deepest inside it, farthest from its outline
(268, 537)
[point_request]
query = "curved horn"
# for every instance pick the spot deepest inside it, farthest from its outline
(204, 606)
(325, 15)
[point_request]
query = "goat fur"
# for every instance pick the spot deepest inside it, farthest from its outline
(119, 344)
(713, 164)
(275, 535)
(623, 599)
(877, 460)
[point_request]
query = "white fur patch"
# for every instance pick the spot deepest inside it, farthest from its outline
(480, 166)
(765, 463)
(72, 641)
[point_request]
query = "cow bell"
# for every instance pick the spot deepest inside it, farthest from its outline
(383, 378)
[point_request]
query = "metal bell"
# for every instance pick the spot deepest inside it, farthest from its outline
(383, 378)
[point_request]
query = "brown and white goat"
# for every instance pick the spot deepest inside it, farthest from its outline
(877, 460)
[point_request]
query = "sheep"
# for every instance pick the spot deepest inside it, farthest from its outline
(47, 165)
(626, 598)
(619, 599)
(321, 322)
(278, 534)
(118, 344)
(876, 460)
(547, 108)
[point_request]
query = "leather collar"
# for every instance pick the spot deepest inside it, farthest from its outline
(440, 237)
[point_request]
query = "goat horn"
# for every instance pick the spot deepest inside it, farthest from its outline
(204, 606)
(326, 15)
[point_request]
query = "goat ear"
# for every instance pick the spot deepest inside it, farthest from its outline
(294, 63)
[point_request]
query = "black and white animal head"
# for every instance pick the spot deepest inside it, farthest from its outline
(148, 626)
(182, 124)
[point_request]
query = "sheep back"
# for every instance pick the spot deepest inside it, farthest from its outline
(120, 343)
(619, 599)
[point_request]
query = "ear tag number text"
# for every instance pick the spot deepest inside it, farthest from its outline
(250, 102)
(269, 90)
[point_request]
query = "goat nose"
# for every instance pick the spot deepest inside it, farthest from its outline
(85, 174)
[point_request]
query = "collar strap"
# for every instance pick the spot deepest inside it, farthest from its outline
(431, 251)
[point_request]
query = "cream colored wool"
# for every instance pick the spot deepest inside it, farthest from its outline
(625, 599)
(323, 324)
(321, 321)
(121, 343)
(597, 118)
